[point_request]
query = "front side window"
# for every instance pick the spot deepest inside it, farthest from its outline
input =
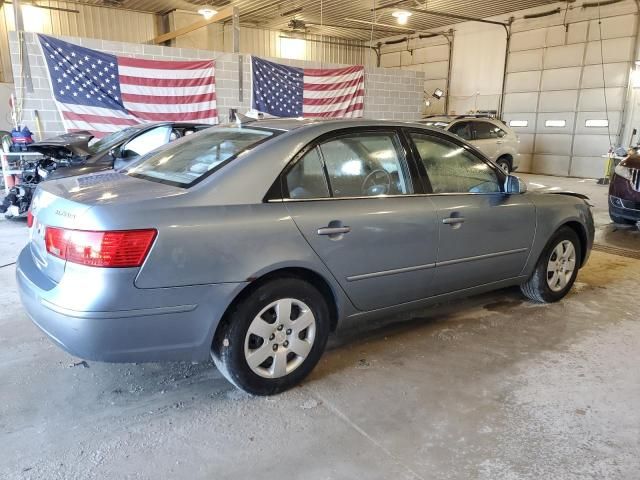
(488, 131)
(463, 130)
(149, 140)
(365, 164)
(307, 179)
(453, 169)
(185, 161)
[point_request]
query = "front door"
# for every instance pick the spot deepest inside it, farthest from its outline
(485, 234)
(352, 198)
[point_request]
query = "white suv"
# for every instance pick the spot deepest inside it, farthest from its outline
(491, 136)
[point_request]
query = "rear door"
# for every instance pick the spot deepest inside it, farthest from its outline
(355, 200)
(485, 234)
(487, 138)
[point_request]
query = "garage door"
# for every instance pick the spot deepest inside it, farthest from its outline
(557, 99)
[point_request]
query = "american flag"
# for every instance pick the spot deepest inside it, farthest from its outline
(285, 91)
(102, 93)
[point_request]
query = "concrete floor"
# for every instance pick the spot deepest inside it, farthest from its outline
(490, 388)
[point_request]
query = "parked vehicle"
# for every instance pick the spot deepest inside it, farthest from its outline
(624, 191)
(251, 243)
(72, 154)
(489, 135)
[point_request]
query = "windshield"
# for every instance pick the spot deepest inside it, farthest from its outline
(188, 160)
(112, 139)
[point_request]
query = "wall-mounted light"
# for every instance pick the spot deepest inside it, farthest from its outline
(402, 16)
(438, 93)
(207, 13)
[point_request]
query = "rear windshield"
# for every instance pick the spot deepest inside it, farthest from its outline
(188, 160)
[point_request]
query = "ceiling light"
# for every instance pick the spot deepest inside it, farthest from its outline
(402, 16)
(207, 13)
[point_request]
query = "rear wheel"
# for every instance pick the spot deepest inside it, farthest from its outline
(556, 270)
(504, 164)
(272, 338)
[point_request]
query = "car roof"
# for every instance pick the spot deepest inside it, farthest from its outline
(145, 125)
(291, 124)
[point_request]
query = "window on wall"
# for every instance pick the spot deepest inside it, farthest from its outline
(519, 123)
(294, 48)
(596, 123)
(555, 123)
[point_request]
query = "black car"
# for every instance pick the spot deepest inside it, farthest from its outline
(72, 154)
(116, 150)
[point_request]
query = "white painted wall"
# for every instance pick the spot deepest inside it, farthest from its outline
(553, 72)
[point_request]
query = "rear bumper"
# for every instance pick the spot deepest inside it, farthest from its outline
(147, 325)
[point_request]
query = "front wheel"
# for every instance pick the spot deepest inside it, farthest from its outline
(503, 163)
(272, 338)
(556, 270)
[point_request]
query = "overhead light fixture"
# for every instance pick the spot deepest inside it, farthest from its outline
(207, 13)
(402, 16)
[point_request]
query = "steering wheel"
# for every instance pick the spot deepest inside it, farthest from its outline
(378, 182)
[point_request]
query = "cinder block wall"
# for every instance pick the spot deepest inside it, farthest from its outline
(390, 94)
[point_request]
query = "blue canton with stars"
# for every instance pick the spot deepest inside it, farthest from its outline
(82, 76)
(277, 89)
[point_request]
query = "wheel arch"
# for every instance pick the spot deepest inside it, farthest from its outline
(581, 231)
(508, 157)
(302, 273)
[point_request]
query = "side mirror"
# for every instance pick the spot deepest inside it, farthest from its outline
(514, 185)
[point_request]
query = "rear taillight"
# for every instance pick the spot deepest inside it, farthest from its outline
(117, 249)
(29, 219)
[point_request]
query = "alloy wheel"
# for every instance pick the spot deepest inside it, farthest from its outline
(280, 338)
(561, 265)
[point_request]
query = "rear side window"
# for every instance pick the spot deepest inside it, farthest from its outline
(149, 140)
(487, 131)
(453, 169)
(186, 161)
(307, 179)
(463, 130)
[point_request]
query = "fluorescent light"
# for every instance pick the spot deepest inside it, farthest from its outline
(402, 16)
(596, 123)
(555, 123)
(207, 13)
(519, 123)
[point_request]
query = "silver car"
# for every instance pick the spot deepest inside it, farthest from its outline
(251, 243)
(491, 136)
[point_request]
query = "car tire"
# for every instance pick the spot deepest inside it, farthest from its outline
(504, 164)
(551, 280)
(254, 329)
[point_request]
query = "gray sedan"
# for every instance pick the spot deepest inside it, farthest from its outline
(251, 243)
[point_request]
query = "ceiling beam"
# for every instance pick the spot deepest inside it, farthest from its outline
(398, 30)
(224, 14)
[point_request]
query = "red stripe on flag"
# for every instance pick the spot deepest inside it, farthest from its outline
(167, 82)
(332, 86)
(335, 113)
(328, 72)
(84, 117)
(332, 100)
(159, 117)
(165, 64)
(160, 100)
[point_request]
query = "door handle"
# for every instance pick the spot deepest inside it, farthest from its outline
(333, 230)
(453, 220)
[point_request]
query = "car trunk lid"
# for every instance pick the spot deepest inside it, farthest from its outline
(65, 203)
